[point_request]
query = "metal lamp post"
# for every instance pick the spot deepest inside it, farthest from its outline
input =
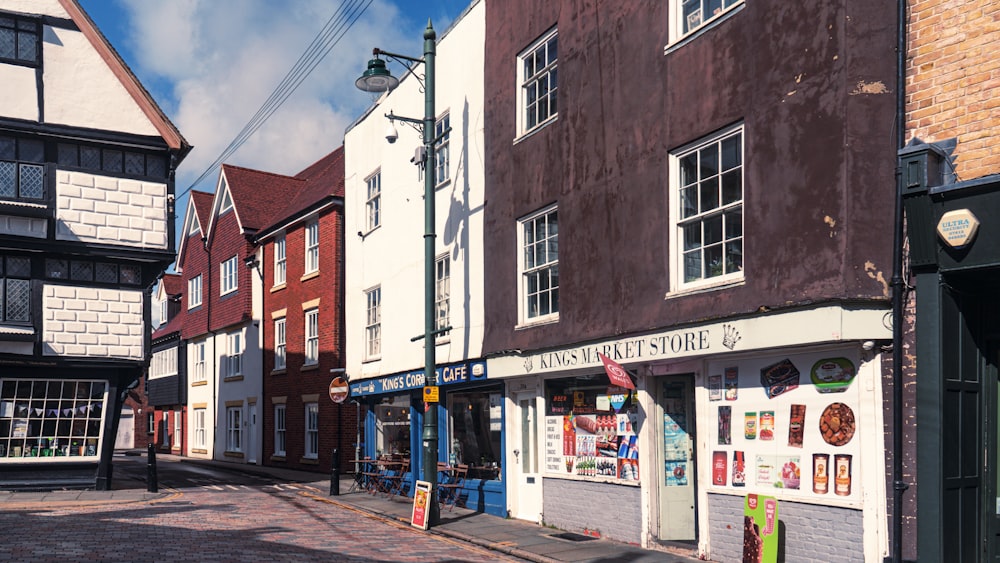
(377, 78)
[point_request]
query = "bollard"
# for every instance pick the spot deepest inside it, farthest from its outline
(151, 484)
(335, 474)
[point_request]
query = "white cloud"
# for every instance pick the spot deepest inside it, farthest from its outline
(221, 59)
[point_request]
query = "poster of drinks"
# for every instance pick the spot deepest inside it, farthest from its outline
(592, 445)
(792, 425)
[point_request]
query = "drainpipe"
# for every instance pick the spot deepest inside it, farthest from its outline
(899, 486)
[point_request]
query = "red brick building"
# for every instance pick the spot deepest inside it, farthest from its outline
(161, 418)
(301, 261)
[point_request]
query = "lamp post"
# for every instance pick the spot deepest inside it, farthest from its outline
(377, 78)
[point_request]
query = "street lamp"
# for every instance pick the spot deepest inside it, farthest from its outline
(377, 78)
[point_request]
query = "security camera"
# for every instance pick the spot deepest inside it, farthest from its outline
(391, 134)
(868, 345)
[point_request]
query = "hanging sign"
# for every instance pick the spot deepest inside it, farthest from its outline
(616, 373)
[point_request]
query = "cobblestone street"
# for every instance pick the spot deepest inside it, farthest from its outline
(283, 522)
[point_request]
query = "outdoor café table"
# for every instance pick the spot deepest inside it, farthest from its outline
(362, 470)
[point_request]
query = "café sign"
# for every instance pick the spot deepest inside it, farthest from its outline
(450, 374)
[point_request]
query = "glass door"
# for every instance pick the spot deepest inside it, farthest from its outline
(525, 467)
(676, 476)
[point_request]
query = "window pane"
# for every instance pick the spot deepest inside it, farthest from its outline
(68, 155)
(156, 166)
(32, 181)
(734, 223)
(8, 179)
(30, 150)
(713, 230)
(713, 261)
(734, 256)
(708, 191)
(8, 148)
(18, 300)
(708, 158)
(27, 46)
(692, 265)
(7, 43)
(553, 49)
(689, 202)
(135, 164)
(692, 236)
(732, 186)
(90, 158)
(19, 267)
(731, 157)
(689, 169)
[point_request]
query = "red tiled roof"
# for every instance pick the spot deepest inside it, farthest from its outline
(173, 284)
(202, 207)
(259, 197)
(174, 325)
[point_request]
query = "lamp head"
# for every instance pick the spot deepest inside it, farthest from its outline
(376, 78)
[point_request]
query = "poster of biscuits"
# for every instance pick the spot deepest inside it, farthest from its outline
(798, 418)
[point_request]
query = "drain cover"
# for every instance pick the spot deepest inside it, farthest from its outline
(573, 537)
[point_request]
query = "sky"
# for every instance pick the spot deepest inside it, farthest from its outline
(211, 64)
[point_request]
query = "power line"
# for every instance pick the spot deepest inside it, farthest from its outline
(336, 27)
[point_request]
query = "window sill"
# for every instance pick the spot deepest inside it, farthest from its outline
(199, 451)
(309, 461)
(277, 457)
(281, 371)
(309, 367)
(199, 383)
(538, 322)
(310, 276)
(229, 378)
(682, 41)
(194, 307)
(233, 455)
(371, 359)
(536, 129)
(228, 293)
(722, 284)
(278, 287)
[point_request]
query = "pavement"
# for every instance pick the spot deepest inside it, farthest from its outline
(518, 538)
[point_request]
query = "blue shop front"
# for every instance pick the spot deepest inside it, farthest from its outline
(470, 427)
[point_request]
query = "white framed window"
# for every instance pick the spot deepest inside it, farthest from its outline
(198, 374)
(688, 16)
(312, 337)
(150, 422)
(312, 430)
(234, 357)
(165, 429)
(177, 429)
(279, 430)
(442, 292)
(194, 292)
(279, 343)
(199, 428)
(228, 276)
(539, 266)
(373, 206)
(163, 311)
(234, 429)
(227, 203)
(442, 148)
(163, 363)
(537, 78)
(279, 260)
(706, 211)
(312, 246)
(373, 323)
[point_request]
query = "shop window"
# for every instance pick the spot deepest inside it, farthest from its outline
(475, 422)
(392, 425)
(590, 429)
(50, 418)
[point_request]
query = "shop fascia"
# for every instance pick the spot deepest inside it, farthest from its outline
(450, 374)
(793, 328)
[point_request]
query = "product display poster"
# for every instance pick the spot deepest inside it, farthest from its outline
(795, 424)
(601, 445)
(760, 529)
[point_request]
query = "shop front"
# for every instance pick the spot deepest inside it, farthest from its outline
(769, 409)
(470, 427)
(57, 430)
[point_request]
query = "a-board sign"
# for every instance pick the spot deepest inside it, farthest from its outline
(421, 501)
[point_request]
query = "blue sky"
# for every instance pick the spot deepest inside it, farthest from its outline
(210, 64)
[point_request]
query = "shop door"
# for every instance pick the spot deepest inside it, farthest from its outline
(526, 477)
(991, 514)
(676, 469)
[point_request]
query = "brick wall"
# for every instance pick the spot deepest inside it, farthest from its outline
(811, 532)
(952, 77)
(227, 242)
(97, 323)
(109, 210)
(615, 511)
(195, 264)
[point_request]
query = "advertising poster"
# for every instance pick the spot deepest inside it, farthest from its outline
(421, 494)
(715, 388)
(592, 446)
(796, 429)
(760, 529)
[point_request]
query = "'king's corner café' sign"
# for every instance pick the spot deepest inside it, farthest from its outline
(450, 374)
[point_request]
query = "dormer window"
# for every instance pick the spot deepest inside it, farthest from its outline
(19, 40)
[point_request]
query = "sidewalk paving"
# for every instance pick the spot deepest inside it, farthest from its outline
(518, 538)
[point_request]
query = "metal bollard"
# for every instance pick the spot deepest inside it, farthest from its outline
(335, 474)
(151, 484)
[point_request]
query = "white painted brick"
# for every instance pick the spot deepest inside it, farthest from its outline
(106, 208)
(97, 328)
(110, 319)
(140, 200)
(107, 233)
(86, 339)
(85, 231)
(130, 211)
(87, 293)
(98, 306)
(95, 219)
(154, 189)
(118, 351)
(109, 340)
(67, 191)
(76, 327)
(109, 296)
(62, 176)
(62, 291)
(135, 352)
(116, 197)
(154, 214)
(69, 216)
(118, 221)
(132, 341)
(116, 307)
(81, 179)
(48, 314)
(119, 329)
(64, 203)
(53, 327)
(93, 194)
(74, 305)
(75, 350)
(154, 239)
(131, 297)
(87, 317)
(141, 224)
(160, 226)
(65, 316)
(82, 204)
(63, 338)
(129, 235)
(135, 329)
(160, 203)
(107, 183)
(97, 351)
(130, 186)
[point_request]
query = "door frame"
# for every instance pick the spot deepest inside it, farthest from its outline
(521, 480)
(690, 380)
